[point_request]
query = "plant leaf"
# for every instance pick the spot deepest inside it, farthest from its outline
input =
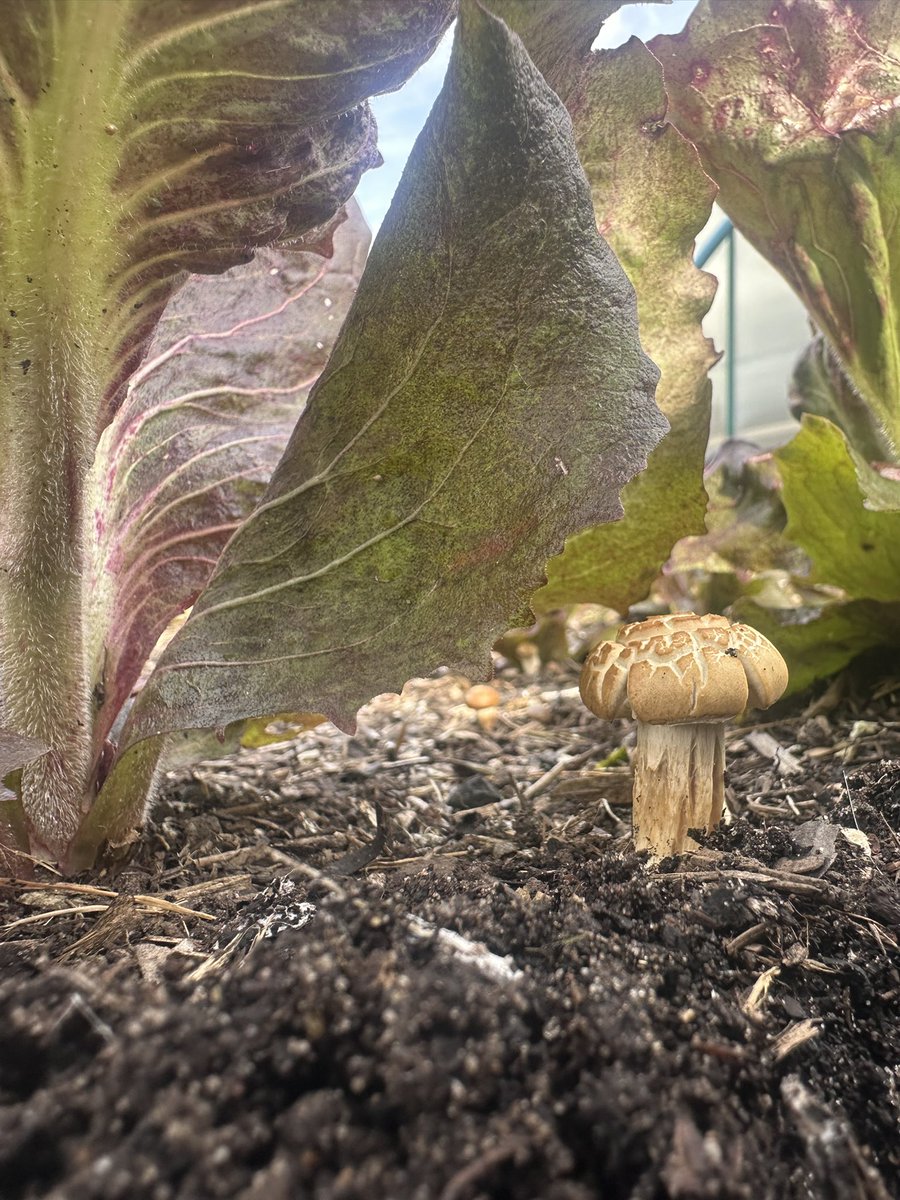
(181, 135)
(188, 747)
(140, 140)
(618, 108)
(851, 547)
(16, 749)
(557, 33)
(880, 484)
(795, 109)
(206, 419)
(130, 785)
(744, 548)
(487, 396)
(821, 387)
(817, 643)
(769, 516)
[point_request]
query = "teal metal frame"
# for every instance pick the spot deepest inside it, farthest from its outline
(725, 233)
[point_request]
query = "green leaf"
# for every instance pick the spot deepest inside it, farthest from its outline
(487, 396)
(187, 747)
(820, 386)
(651, 199)
(767, 515)
(205, 422)
(793, 107)
(744, 549)
(880, 484)
(816, 643)
(118, 809)
(851, 547)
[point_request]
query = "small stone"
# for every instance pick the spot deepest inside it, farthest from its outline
(473, 792)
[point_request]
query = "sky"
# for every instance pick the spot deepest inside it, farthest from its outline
(400, 115)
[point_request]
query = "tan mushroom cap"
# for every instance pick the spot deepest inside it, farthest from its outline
(682, 668)
(482, 695)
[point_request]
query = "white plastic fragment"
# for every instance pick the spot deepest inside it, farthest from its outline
(475, 953)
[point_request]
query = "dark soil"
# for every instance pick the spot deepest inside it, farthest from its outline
(424, 962)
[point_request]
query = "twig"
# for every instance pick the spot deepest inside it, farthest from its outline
(38, 862)
(746, 938)
(609, 812)
(849, 797)
(781, 882)
(151, 902)
(565, 762)
(307, 869)
(223, 883)
(78, 889)
(212, 860)
(797, 1034)
(35, 918)
(167, 906)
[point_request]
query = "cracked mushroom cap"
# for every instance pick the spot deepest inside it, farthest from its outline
(682, 668)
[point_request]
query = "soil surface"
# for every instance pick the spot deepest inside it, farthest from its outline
(424, 962)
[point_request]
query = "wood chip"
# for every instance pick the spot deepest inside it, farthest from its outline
(767, 746)
(793, 1036)
(753, 1005)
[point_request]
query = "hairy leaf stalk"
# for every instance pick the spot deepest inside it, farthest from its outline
(52, 354)
(43, 547)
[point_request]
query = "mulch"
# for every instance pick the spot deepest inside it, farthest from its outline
(424, 962)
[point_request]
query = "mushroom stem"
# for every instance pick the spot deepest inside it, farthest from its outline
(679, 784)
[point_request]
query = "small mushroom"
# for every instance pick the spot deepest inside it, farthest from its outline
(485, 700)
(682, 677)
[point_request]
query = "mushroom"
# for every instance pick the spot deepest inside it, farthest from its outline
(682, 677)
(485, 700)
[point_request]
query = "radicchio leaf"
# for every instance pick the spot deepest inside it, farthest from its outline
(16, 749)
(557, 33)
(487, 396)
(820, 386)
(823, 491)
(140, 140)
(192, 449)
(651, 199)
(183, 133)
(795, 109)
(816, 643)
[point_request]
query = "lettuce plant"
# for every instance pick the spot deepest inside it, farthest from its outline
(789, 113)
(486, 396)
(795, 111)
